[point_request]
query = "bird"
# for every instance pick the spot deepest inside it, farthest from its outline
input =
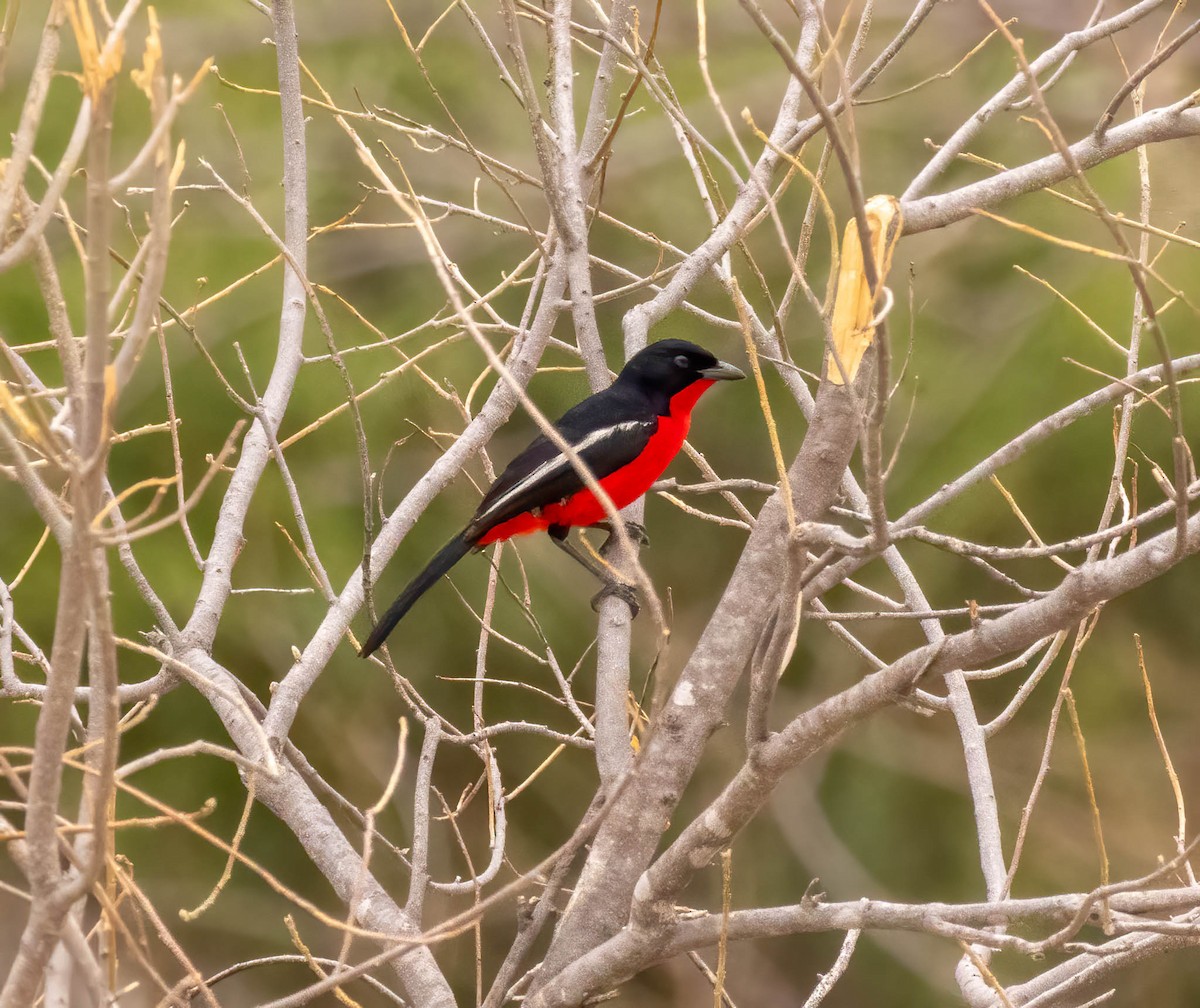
(626, 435)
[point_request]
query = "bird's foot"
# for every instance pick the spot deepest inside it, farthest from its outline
(635, 530)
(627, 593)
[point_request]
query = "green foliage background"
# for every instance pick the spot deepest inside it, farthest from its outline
(989, 352)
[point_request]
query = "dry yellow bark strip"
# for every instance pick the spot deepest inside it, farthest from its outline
(854, 304)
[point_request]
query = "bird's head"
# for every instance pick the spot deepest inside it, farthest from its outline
(672, 365)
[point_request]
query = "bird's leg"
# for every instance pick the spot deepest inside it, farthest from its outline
(559, 534)
(627, 593)
(635, 531)
(613, 585)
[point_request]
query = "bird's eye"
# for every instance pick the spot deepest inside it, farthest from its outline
(682, 361)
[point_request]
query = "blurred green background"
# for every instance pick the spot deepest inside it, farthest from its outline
(886, 814)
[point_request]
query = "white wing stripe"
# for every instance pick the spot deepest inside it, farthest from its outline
(552, 465)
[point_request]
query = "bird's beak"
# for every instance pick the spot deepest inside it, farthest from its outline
(722, 372)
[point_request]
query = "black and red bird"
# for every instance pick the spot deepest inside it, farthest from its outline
(626, 435)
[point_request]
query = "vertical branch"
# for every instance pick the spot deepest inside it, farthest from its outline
(31, 114)
(614, 639)
(419, 871)
(214, 591)
(565, 192)
(157, 241)
(614, 630)
(1137, 326)
(47, 908)
(83, 611)
(94, 845)
(596, 127)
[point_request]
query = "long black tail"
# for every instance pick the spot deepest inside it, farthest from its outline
(447, 557)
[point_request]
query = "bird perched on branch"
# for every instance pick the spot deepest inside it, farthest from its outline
(625, 436)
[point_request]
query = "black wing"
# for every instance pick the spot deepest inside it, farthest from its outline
(606, 433)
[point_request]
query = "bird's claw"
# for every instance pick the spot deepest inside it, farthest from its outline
(635, 530)
(627, 593)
